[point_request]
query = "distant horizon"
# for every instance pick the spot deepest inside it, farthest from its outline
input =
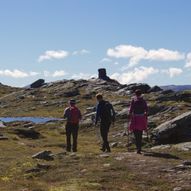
(137, 41)
(46, 82)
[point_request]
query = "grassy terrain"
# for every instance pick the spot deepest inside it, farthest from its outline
(85, 170)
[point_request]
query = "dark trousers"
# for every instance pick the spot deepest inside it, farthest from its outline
(104, 130)
(71, 131)
(138, 139)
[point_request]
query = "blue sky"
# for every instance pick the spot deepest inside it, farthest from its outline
(135, 40)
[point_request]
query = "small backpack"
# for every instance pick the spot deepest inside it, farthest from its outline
(107, 112)
(139, 106)
(74, 115)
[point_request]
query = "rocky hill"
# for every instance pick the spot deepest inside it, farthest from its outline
(169, 124)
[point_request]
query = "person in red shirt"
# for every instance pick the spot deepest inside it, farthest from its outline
(73, 116)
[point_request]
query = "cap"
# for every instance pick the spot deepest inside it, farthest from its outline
(72, 101)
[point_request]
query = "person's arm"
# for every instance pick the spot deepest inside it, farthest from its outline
(97, 113)
(131, 108)
(66, 113)
(146, 108)
(113, 113)
(80, 115)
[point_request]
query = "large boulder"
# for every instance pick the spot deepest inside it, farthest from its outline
(168, 95)
(155, 89)
(37, 84)
(174, 131)
(143, 87)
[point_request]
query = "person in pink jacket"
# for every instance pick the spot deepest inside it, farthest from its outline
(138, 118)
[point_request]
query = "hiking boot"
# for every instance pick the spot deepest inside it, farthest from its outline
(102, 149)
(139, 152)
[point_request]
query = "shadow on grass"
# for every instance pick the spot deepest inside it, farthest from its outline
(161, 155)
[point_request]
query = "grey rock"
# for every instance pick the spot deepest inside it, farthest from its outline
(71, 93)
(174, 96)
(160, 147)
(183, 146)
(187, 163)
(37, 83)
(155, 89)
(105, 155)
(123, 113)
(115, 144)
(91, 109)
(86, 123)
(3, 138)
(154, 109)
(174, 131)
(177, 189)
(143, 87)
(121, 103)
(2, 124)
(45, 155)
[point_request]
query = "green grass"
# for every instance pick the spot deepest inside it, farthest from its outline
(84, 171)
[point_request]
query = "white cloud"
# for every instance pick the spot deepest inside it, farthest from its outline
(188, 61)
(81, 52)
(52, 54)
(105, 60)
(164, 55)
(136, 54)
(172, 72)
(17, 73)
(55, 74)
(137, 75)
(34, 73)
(83, 76)
(46, 74)
(59, 73)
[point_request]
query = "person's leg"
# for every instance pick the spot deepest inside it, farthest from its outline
(104, 133)
(139, 144)
(138, 140)
(75, 137)
(68, 137)
(106, 138)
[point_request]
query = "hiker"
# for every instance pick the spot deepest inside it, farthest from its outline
(138, 118)
(106, 114)
(73, 116)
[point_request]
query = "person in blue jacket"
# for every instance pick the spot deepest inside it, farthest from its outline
(106, 115)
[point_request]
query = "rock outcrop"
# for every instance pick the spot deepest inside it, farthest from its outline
(37, 84)
(174, 131)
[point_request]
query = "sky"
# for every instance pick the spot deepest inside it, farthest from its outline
(137, 41)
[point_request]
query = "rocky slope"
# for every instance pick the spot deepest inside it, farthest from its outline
(162, 167)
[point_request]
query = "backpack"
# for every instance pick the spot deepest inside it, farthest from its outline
(107, 112)
(139, 106)
(74, 115)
